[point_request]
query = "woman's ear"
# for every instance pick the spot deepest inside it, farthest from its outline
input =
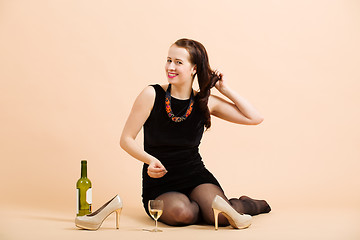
(193, 71)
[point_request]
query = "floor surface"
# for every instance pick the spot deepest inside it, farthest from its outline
(314, 223)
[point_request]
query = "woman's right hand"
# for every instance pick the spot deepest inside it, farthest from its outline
(156, 169)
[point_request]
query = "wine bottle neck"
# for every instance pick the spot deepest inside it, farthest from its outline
(83, 169)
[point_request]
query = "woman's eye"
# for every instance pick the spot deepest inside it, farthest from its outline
(169, 61)
(178, 62)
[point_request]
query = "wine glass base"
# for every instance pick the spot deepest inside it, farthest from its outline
(156, 230)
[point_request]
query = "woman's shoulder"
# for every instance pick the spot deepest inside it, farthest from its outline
(213, 101)
(158, 86)
(146, 95)
(149, 92)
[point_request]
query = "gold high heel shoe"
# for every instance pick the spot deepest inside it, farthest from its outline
(94, 220)
(236, 220)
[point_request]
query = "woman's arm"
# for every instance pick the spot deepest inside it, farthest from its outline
(239, 110)
(137, 117)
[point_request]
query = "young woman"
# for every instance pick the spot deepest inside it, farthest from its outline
(174, 117)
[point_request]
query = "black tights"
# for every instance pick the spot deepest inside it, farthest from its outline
(180, 209)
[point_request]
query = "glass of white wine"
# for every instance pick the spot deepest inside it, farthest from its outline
(156, 208)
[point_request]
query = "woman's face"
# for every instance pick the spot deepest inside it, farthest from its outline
(178, 67)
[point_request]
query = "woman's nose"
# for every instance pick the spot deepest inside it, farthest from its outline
(171, 66)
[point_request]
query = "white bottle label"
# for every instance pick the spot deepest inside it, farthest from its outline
(89, 196)
(77, 201)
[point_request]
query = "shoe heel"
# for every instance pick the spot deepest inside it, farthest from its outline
(118, 211)
(236, 220)
(216, 216)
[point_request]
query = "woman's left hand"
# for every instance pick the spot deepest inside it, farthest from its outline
(221, 85)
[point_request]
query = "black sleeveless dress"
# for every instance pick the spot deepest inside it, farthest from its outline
(176, 145)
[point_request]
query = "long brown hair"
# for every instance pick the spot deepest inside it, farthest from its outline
(207, 78)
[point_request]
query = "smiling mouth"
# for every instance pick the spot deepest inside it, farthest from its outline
(172, 75)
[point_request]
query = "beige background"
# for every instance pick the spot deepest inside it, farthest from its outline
(70, 71)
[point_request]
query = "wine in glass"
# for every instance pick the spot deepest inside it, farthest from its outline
(156, 208)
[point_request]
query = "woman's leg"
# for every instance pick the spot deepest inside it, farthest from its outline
(204, 194)
(178, 209)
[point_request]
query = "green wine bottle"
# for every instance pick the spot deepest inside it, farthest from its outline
(83, 192)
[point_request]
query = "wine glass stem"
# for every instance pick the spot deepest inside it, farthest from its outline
(156, 225)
